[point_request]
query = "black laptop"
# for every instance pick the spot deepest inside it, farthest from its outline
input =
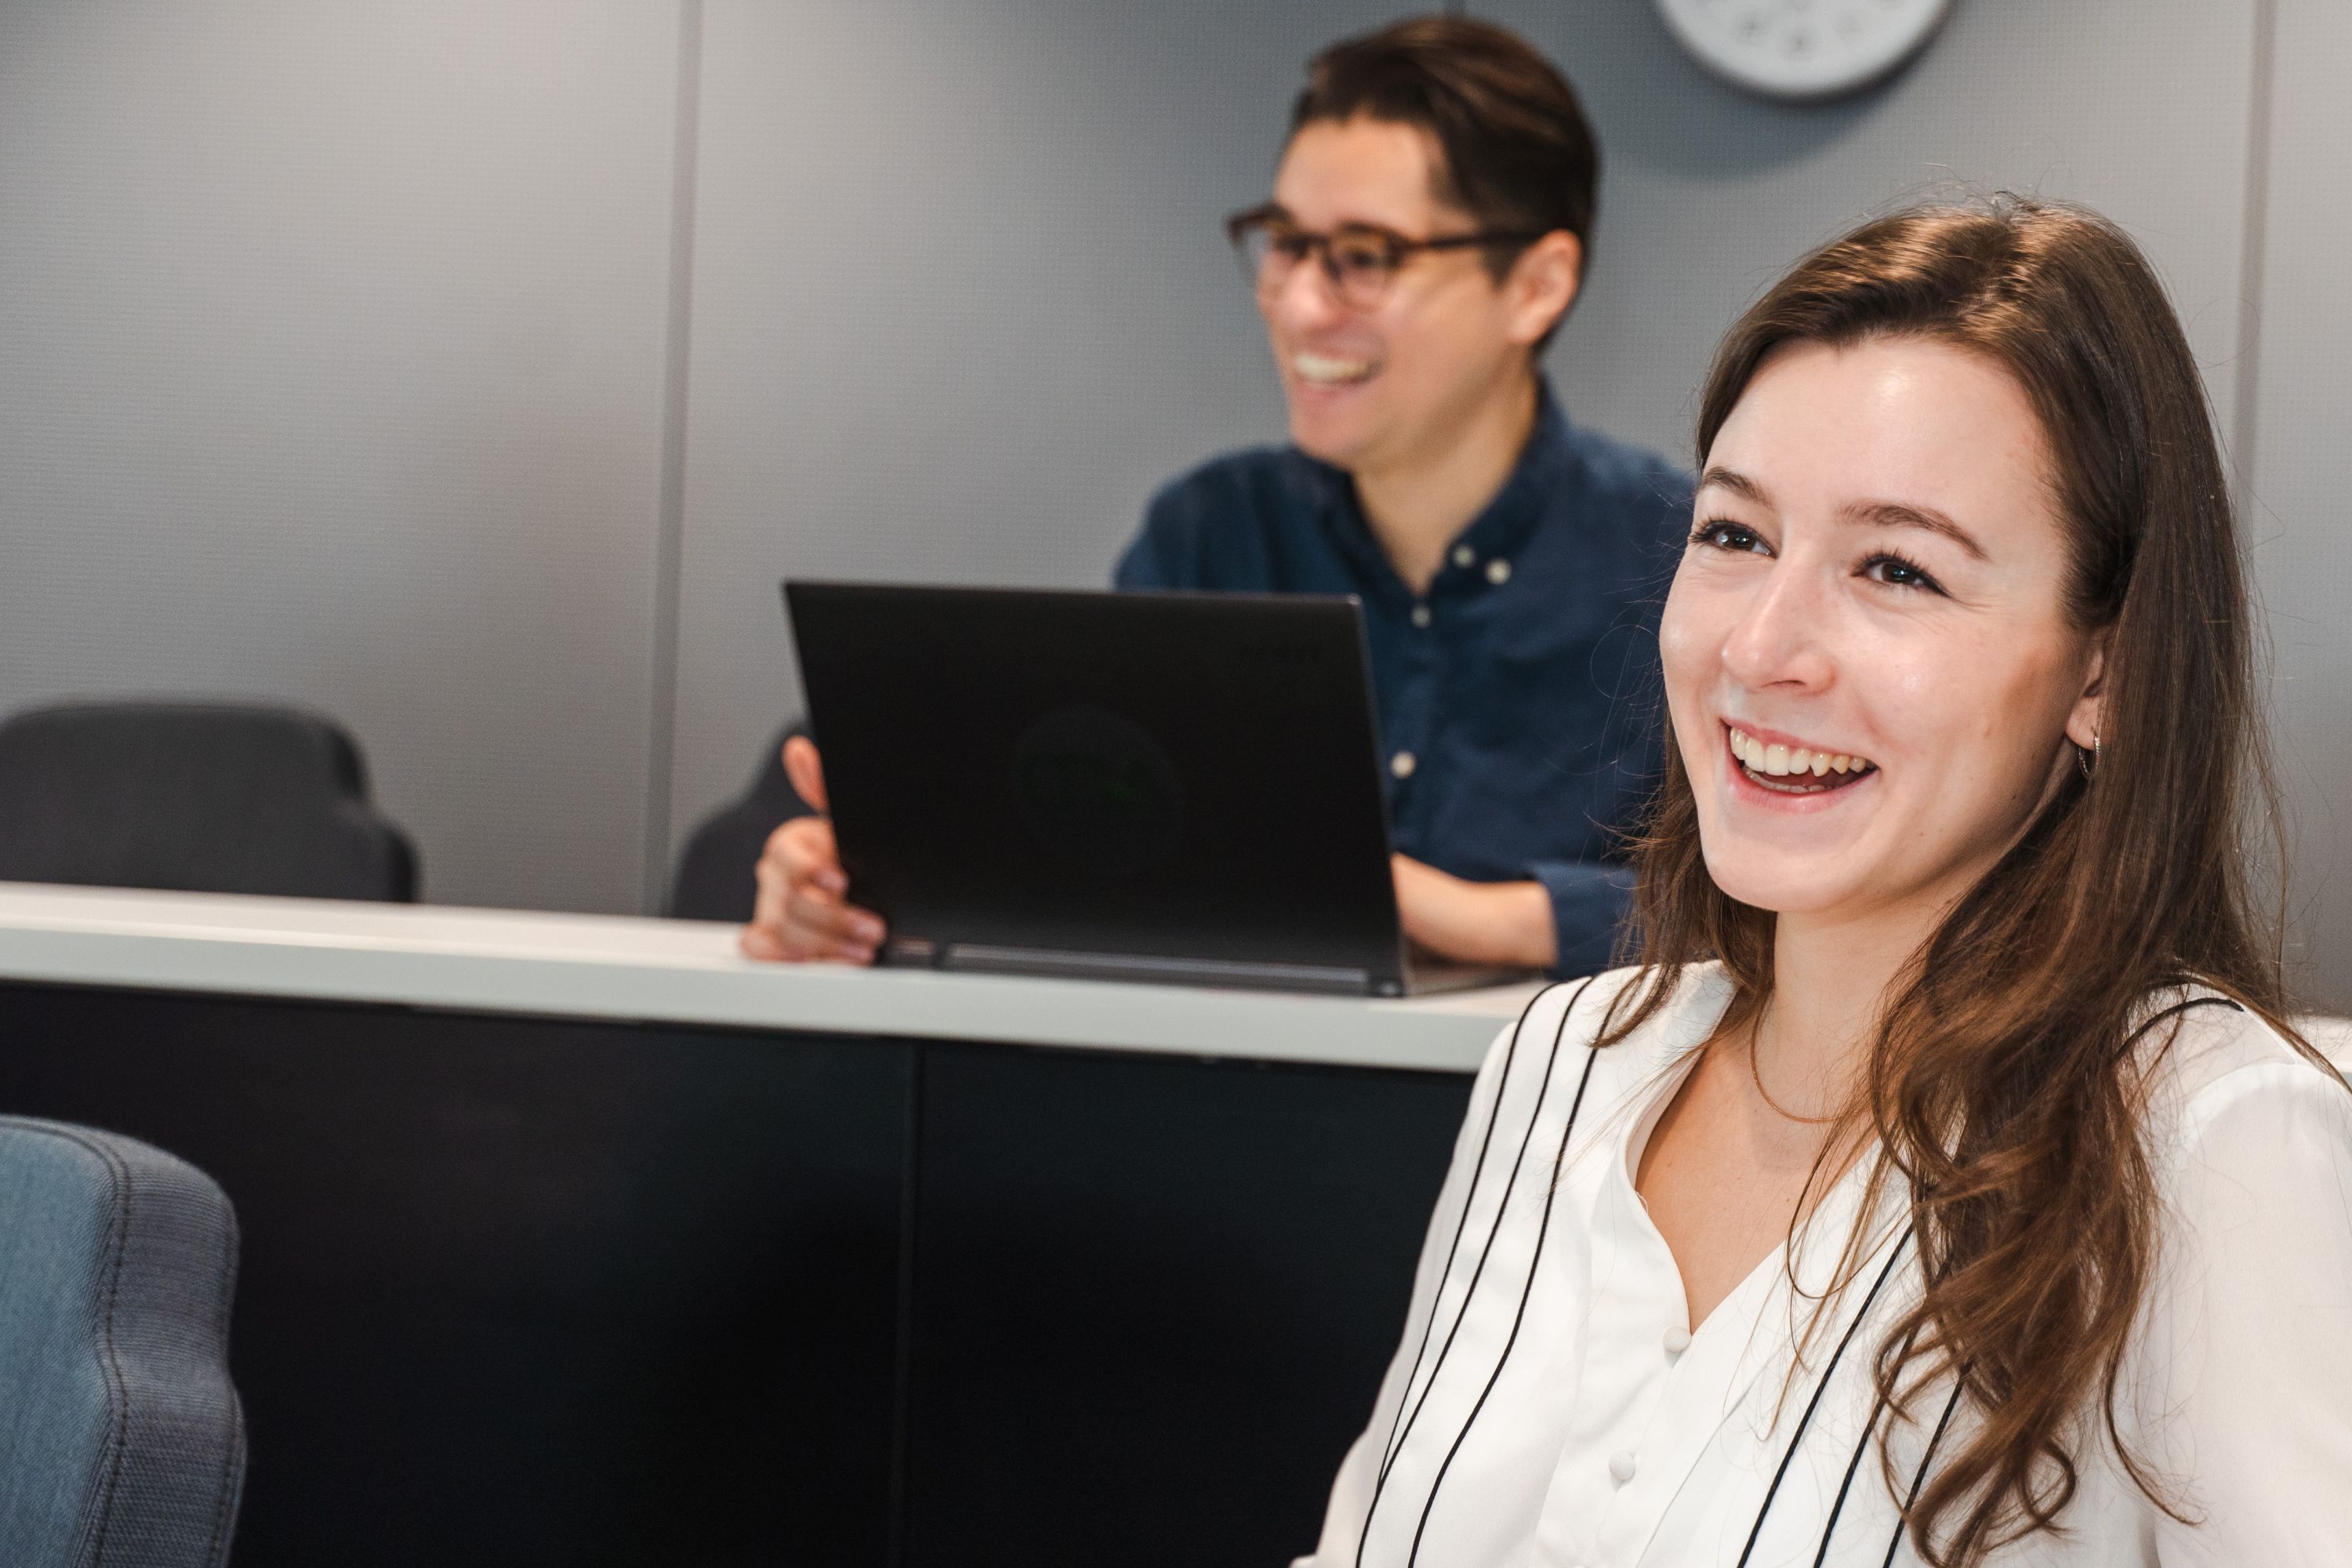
(1172, 787)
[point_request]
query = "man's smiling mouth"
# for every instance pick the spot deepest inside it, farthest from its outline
(1331, 369)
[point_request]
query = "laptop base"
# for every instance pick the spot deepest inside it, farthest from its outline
(1423, 977)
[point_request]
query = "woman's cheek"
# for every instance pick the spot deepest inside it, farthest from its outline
(1681, 640)
(1901, 688)
(1969, 706)
(1687, 653)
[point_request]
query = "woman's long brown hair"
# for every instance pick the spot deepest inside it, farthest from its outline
(2004, 1085)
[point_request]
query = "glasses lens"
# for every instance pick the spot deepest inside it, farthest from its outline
(1267, 256)
(1363, 266)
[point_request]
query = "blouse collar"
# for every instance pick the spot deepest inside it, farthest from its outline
(1760, 1329)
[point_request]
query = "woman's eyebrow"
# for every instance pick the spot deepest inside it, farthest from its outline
(1737, 483)
(1897, 514)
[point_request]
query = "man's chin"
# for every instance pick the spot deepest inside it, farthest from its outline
(1342, 443)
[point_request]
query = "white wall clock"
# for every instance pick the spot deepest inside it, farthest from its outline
(1804, 48)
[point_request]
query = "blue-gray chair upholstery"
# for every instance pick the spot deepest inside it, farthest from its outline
(121, 1441)
(206, 798)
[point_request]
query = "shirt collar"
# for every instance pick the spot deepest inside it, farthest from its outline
(1535, 482)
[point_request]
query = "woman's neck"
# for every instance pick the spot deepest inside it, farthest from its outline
(1417, 504)
(1830, 979)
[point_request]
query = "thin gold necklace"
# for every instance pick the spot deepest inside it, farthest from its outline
(1755, 1036)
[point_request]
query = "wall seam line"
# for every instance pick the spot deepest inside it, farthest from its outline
(669, 511)
(2253, 254)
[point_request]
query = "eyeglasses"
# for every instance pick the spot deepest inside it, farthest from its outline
(1361, 259)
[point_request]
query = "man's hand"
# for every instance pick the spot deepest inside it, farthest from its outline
(1505, 923)
(802, 916)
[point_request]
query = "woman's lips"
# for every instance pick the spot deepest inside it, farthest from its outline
(1771, 769)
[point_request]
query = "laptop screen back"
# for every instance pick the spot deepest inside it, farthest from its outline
(1180, 777)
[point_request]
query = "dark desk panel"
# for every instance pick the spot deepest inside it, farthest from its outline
(519, 1291)
(1153, 1299)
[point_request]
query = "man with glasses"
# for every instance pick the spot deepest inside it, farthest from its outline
(1425, 237)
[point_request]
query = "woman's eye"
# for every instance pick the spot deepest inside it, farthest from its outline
(1728, 536)
(1897, 573)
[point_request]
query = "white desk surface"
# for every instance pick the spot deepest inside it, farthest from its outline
(686, 972)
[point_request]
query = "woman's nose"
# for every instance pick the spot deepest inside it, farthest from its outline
(1782, 638)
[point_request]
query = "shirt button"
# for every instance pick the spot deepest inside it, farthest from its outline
(1498, 571)
(1620, 1464)
(1677, 1341)
(1403, 764)
(1464, 555)
(1420, 615)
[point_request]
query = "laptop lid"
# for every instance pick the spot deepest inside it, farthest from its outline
(1175, 786)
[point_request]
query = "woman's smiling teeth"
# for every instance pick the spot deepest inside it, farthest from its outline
(1329, 370)
(1766, 763)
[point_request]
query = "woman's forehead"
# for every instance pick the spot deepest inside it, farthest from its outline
(1822, 429)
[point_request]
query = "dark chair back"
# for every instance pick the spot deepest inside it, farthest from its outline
(204, 797)
(121, 1440)
(714, 879)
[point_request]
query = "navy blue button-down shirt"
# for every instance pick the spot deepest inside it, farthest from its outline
(1516, 702)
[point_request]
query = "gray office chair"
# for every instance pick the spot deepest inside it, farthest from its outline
(198, 796)
(122, 1442)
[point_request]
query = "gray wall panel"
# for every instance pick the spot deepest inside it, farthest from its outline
(332, 338)
(961, 301)
(2303, 542)
(2137, 109)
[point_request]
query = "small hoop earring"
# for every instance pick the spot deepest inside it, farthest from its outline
(2085, 756)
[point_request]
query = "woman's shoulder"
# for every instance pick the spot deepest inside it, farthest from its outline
(2232, 1095)
(1584, 1012)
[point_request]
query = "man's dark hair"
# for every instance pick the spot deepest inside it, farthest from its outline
(1519, 155)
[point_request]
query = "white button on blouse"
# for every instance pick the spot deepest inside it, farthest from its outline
(1528, 1417)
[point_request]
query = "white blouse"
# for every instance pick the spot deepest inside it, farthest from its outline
(1548, 1405)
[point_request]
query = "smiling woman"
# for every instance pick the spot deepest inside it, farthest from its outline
(1963, 515)
(1951, 1120)
(1879, 570)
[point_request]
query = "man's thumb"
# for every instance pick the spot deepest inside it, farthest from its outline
(806, 769)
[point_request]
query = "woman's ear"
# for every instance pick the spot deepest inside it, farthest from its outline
(2088, 718)
(1543, 284)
